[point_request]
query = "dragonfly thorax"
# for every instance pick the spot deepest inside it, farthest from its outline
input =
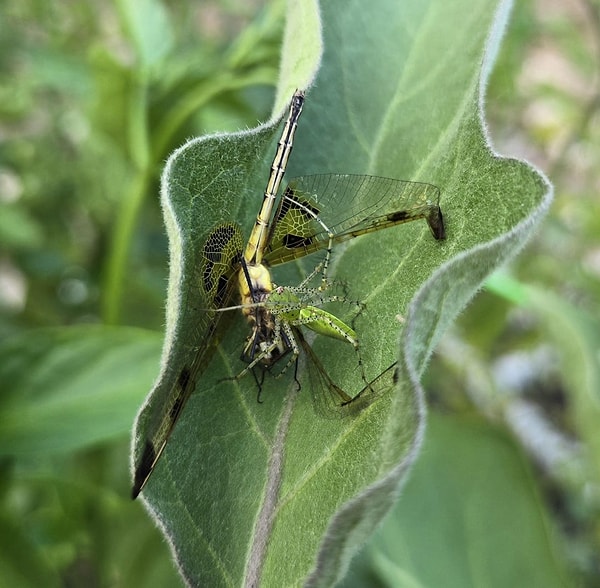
(266, 339)
(255, 286)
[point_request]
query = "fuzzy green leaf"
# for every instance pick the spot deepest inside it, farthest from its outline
(271, 493)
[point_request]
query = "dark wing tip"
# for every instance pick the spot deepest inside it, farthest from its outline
(435, 220)
(144, 469)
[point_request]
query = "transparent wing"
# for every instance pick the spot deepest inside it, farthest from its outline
(213, 287)
(329, 400)
(347, 206)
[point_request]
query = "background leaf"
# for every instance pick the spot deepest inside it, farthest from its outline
(576, 337)
(241, 482)
(476, 470)
(83, 390)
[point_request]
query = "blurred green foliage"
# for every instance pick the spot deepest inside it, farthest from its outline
(93, 97)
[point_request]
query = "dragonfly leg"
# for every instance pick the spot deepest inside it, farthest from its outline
(269, 351)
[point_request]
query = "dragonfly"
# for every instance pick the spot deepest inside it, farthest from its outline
(313, 214)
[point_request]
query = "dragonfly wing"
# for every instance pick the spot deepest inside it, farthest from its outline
(346, 206)
(212, 288)
(329, 400)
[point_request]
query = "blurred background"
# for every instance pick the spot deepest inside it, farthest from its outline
(89, 110)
